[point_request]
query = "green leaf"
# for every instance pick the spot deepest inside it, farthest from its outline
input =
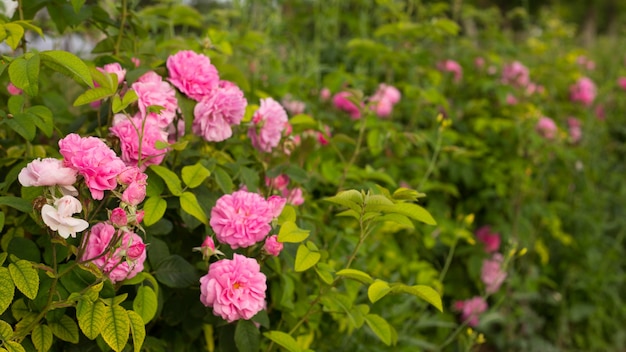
(16, 104)
(6, 331)
(18, 203)
(129, 97)
(223, 180)
(90, 317)
(154, 208)
(377, 290)
(116, 104)
(190, 205)
(28, 25)
(15, 34)
(116, 327)
(174, 271)
(25, 277)
(325, 272)
(138, 329)
(356, 275)
(24, 73)
(426, 293)
(284, 340)
(380, 327)
(413, 211)
(65, 329)
(288, 214)
(145, 303)
(23, 125)
(12, 346)
(194, 175)
(68, 64)
(3, 33)
(44, 119)
(291, 233)
(352, 199)
(247, 336)
(93, 94)
(305, 258)
(42, 338)
(77, 4)
(171, 179)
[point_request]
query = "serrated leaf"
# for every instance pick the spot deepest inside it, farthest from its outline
(116, 327)
(424, 292)
(284, 340)
(7, 289)
(23, 125)
(194, 175)
(171, 179)
(380, 327)
(377, 290)
(25, 278)
(68, 64)
(92, 95)
(138, 329)
(223, 180)
(116, 104)
(44, 119)
(24, 73)
(6, 331)
(291, 233)
(15, 34)
(90, 317)
(42, 337)
(12, 346)
(145, 303)
(247, 336)
(355, 275)
(65, 329)
(305, 258)
(154, 208)
(189, 204)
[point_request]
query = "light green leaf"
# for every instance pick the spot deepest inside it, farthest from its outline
(90, 317)
(288, 214)
(247, 336)
(380, 327)
(25, 277)
(194, 175)
(92, 95)
(154, 208)
(325, 272)
(28, 25)
(413, 211)
(138, 329)
(116, 104)
(190, 205)
(68, 64)
(145, 303)
(426, 293)
(19, 310)
(352, 199)
(6, 331)
(77, 4)
(15, 34)
(171, 179)
(223, 180)
(116, 327)
(284, 340)
(377, 290)
(291, 233)
(18, 203)
(129, 97)
(356, 275)
(12, 346)
(24, 73)
(305, 258)
(65, 329)
(42, 337)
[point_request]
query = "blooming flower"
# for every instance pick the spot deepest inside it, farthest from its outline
(341, 102)
(575, 131)
(268, 124)
(516, 75)
(490, 240)
(94, 160)
(294, 107)
(47, 172)
(511, 99)
(118, 217)
(492, 274)
(115, 68)
(235, 289)
(583, 91)
(215, 114)
(452, 67)
(139, 136)
(241, 219)
(152, 90)
(272, 246)
(546, 128)
(471, 309)
(621, 82)
(325, 94)
(192, 73)
(59, 217)
(294, 196)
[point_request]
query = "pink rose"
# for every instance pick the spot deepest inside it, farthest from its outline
(152, 90)
(118, 217)
(278, 183)
(294, 196)
(471, 309)
(621, 82)
(294, 107)
(516, 75)
(134, 131)
(272, 246)
(490, 240)
(139, 216)
(241, 219)
(136, 250)
(267, 126)
(276, 205)
(193, 74)
(511, 99)
(343, 103)
(575, 131)
(134, 194)
(131, 174)
(325, 94)
(235, 289)
(452, 67)
(46, 172)
(94, 160)
(13, 90)
(583, 91)
(492, 274)
(59, 217)
(215, 114)
(208, 248)
(115, 68)
(546, 128)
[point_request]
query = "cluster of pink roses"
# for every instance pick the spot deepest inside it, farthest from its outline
(280, 183)
(381, 102)
(452, 67)
(583, 91)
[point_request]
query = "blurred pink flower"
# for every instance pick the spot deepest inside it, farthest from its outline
(294, 107)
(294, 196)
(94, 160)
(59, 217)
(214, 115)
(575, 130)
(115, 68)
(471, 309)
(479, 62)
(546, 128)
(235, 289)
(490, 240)
(511, 99)
(139, 136)
(193, 74)
(384, 99)
(325, 94)
(452, 67)
(13, 90)
(586, 63)
(621, 82)
(583, 91)
(267, 126)
(152, 90)
(492, 274)
(135, 61)
(515, 74)
(343, 103)
(47, 172)
(272, 246)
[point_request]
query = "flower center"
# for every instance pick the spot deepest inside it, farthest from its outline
(236, 285)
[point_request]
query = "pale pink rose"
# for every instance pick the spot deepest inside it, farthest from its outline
(208, 248)
(490, 240)
(193, 74)
(235, 289)
(123, 260)
(131, 174)
(546, 128)
(267, 126)
(135, 61)
(453, 67)
(241, 219)
(600, 113)
(583, 91)
(118, 217)
(479, 62)
(276, 205)
(294, 107)
(575, 130)
(13, 90)
(516, 75)
(152, 90)
(126, 129)
(389, 92)
(324, 137)
(325, 94)
(94, 160)
(59, 217)
(279, 182)
(272, 246)
(382, 108)
(139, 216)
(586, 63)
(115, 68)
(621, 82)
(134, 194)
(214, 115)
(294, 196)
(47, 172)
(471, 309)
(342, 102)
(492, 274)
(511, 99)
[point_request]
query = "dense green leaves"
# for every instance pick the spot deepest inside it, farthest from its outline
(42, 338)
(247, 336)
(25, 278)
(24, 73)
(116, 329)
(189, 204)
(284, 340)
(90, 317)
(65, 329)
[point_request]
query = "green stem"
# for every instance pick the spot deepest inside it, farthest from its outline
(433, 161)
(20, 11)
(118, 43)
(359, 141)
